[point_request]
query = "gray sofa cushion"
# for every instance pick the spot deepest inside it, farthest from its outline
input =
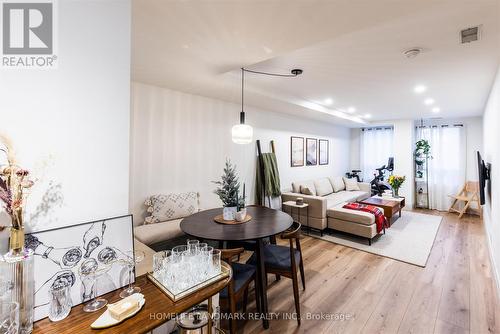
(152, 233)
(306, 184)
(351, 184)
(337, 183)
(323, 187)
(345, 196)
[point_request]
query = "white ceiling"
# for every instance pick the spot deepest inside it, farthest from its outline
(350, 51)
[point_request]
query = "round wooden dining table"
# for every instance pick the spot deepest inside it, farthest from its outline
(265, 223)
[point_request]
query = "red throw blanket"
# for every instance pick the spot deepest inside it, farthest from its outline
(380, 219)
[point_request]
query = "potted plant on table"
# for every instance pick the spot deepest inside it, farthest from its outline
(228, 190)
(396, 181)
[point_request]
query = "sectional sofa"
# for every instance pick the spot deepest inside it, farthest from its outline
(325, 197)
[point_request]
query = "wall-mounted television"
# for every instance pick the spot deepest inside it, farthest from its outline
(484, 174)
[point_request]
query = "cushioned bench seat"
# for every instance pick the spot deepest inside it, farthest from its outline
(152, 233)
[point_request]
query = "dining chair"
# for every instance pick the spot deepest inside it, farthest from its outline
(237, 289)
(286, 261)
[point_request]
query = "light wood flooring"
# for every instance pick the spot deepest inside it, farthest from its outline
(454, 293)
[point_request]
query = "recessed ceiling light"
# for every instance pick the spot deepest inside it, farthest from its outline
(436, 109)
(367, 116)
(351, 110)
(429, 102)
(328, 101)
(419, 89)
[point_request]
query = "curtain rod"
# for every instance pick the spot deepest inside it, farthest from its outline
(437, 126)
(378, 128)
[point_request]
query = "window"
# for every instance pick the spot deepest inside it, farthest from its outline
(376, 147)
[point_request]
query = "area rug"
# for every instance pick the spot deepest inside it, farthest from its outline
(409, 239)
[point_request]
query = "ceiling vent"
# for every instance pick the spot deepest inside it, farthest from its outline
(470, 35)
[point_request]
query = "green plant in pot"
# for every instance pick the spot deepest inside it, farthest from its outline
(228, 191)
(422, 151)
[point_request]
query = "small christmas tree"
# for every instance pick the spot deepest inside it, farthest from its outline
(229, 187)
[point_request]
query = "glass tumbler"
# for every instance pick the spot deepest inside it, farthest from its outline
(159, 264)
(214, 262)
(193, 246)
(9, 317)
(60, 301)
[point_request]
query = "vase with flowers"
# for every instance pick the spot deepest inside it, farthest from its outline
(396, 181)
(16, 267)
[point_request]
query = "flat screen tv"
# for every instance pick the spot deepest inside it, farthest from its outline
(484, 174)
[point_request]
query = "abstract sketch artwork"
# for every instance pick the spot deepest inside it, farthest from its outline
(59, 253)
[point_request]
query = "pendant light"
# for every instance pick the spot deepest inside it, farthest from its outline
(242, 133)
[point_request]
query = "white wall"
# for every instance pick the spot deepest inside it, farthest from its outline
(180, 142)
(70, 125)
(491, 154)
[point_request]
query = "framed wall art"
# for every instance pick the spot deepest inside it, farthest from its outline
(297, 151)
(60, 252)
(323, 152)
(311, 152)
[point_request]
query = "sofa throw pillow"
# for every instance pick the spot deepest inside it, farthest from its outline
(172, 206)
(305, 190)
(297, 187)
(323, 187)
(337, 183)
(351, 184)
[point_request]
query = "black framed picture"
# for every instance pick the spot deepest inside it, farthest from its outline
(60, 252)
(297, 151)
(311, 152)
(323, 152)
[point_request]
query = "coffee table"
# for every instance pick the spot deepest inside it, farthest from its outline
(391, 206)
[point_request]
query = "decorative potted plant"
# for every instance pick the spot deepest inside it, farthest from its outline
(396, 181)
(228, 190)
(422, 151)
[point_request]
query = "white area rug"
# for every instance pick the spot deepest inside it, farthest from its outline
(409, 239)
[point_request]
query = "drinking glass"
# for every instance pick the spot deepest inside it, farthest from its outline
(193, 246)
(159, 263)
(214, 262)
(132, 258)
(60, 301)
(90, 272)
(178, 251)
(204, 262)
(202, 245)
(9, 317)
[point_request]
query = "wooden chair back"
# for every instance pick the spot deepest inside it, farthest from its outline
(293, 234)
(472, 186)
(228, 254)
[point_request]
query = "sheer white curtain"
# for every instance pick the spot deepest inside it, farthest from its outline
(447, 168)
(376, 148)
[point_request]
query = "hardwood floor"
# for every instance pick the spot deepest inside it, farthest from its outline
(454, 293)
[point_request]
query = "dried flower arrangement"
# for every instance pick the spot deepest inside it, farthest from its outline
(15, 183)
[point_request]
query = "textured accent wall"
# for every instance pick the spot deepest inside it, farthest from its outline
(179, 142)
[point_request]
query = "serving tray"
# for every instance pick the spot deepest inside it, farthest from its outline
(225, 273)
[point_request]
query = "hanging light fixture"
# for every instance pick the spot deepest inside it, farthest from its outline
(243, 133)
